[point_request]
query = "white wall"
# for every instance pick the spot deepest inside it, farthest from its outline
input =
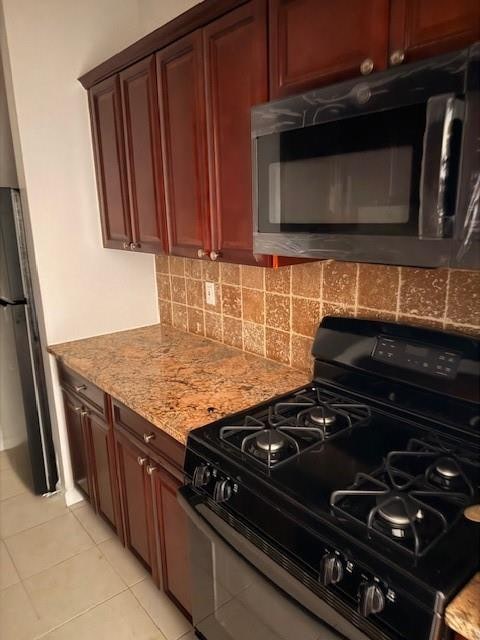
(46, 45)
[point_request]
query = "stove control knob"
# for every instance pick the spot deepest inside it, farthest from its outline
(222, 491)
(371, 598)
(331, 569)
(201, 476)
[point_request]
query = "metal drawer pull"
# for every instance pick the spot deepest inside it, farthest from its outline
(85, 413)
(201, 253)
(150, 469)
(141, 461)
(215, 255)
(80, 387)
(397, 57)
(77, 409)
(148, 436)
(367, 66)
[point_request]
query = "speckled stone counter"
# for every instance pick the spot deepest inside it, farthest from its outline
(176, 380)
(463, 613)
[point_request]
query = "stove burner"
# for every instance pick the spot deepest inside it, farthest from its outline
(270, 440)
(447, 468)
(398, 511)
(323, 416)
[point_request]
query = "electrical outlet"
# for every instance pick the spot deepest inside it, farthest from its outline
(210, 293)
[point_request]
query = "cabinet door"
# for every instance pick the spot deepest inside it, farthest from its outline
(136, 498)
(315, 42)
(182, 114)
(172, 539)
(424, 28)
(142, 136)
(104, 471)
(235, 48)
(109, 152)
(78, 441)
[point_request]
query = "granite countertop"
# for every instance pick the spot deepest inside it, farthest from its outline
(176, 380)
(463, 613)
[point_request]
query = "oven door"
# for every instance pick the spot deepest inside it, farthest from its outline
(240, 593)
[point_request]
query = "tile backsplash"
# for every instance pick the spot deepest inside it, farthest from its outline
(275, 312)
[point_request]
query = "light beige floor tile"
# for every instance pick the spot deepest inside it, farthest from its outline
(73, 586)
(11, 484)
(18, 619)
(27, 510)
(93, 524)
(124, 563)
(47, 544)
(8, 573)
(4, 460)
(189, 636)
(121, 618)
(77, 505)
(162, 611)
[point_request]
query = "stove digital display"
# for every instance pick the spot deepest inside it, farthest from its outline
(428, 360)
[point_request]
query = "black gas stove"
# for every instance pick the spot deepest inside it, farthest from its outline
(358, 484)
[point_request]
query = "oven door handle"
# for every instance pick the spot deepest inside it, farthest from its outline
(440, 164)
(218, 531)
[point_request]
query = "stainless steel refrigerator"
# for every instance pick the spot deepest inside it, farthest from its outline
(25, 424)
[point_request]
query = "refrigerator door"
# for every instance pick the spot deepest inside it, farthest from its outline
(24, 414)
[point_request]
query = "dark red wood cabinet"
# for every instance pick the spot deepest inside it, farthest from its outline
(126, 138)
(314, 43)
(78, 444)
(236, 78)
(182, 107)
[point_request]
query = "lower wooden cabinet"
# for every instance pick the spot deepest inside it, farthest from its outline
(78, 444)
(137, 503)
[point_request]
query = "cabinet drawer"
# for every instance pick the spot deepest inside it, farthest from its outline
(152, 438)
(83, 388)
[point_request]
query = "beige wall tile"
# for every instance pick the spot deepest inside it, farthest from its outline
(378, 286)
(423, 292)
(179, 292)
(177, 265)
(161, 264)
(463, 305)
(278, 280)
(254, 338)
(462, 328)
(375, 314)
(253, 305)
(305, 316)
(193, 268)
(231, 301)
(252, 277)
(429, 323)
(179, 316)
(277, 345)
(194, 293)
(306, 279)
(277, 308)
(232, 332)
(210, 271)
(230, 273)
(329, 309)
(213, 326)
(339, 282)
(163, 286)
(302, 353)
(165, 308)
(195, 321)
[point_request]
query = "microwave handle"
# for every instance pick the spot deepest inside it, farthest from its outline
(443, 112)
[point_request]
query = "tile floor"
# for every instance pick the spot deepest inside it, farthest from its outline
(65, 576)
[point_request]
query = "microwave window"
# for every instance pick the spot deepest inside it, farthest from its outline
(362, 173)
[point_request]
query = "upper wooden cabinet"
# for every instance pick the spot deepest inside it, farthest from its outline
(126, 138)
(234, 83)
(424, 28)
(314, 43)
(110, 164)
(182, 108)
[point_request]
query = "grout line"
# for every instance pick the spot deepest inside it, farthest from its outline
(357, 282)
(399, 293)
(447, 295)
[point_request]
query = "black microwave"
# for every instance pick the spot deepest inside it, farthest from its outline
(382, 169)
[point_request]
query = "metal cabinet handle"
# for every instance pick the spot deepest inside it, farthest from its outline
(201, 253)
(80, 387)
(366, 67)
(126, 245)
(148, 436)
(141, 461)
(134, 245)
(150, 469)
(77, 409)
(397, 57)
(214, 255)
(85, 413)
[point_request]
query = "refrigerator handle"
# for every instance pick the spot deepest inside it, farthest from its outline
(5, 302)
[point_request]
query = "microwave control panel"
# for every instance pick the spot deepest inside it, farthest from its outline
(418, 357)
